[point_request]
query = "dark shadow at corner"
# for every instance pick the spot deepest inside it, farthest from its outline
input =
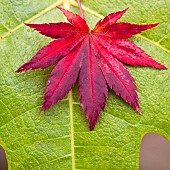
(154, 153)
(3, 160)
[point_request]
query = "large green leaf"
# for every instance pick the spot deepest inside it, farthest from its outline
(60, 139)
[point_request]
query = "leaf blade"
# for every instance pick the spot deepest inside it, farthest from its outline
(58, 86)
(90, 82)
(108, 21)
(50, 54)
(127, 30)
(118, 78)
(75, 19)
(56, 30)
(129, 53)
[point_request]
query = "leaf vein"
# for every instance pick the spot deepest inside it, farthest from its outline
(70, 99)
(32, 18)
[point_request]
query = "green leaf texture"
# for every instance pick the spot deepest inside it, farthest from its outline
(60, 139)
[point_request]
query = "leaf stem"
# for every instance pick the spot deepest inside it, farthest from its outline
(80, 8)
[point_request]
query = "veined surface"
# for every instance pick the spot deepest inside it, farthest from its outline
(60, 139)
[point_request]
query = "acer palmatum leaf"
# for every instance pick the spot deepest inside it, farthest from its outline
(94, 58)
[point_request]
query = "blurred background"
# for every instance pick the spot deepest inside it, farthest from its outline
(154, 154)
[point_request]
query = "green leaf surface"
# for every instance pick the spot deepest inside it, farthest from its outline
(60, 139)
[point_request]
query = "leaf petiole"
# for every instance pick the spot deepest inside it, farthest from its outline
(81, 11)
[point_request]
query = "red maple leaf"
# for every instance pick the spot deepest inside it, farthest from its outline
(95, 57)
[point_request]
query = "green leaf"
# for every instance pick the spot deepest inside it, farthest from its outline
(60, 139)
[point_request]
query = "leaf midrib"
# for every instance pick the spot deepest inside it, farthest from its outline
(46, 10)
(70, 99)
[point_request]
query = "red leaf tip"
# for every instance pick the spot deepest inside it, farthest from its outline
(27, 24)
(163, 67)
(92, 120)
(75, 19)
(21, 69)
(138, 110)
(153, 25)
(42, 112)
(45, 106)
(125, 10)
(92, 125)
(60, 8)
(63, 10)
